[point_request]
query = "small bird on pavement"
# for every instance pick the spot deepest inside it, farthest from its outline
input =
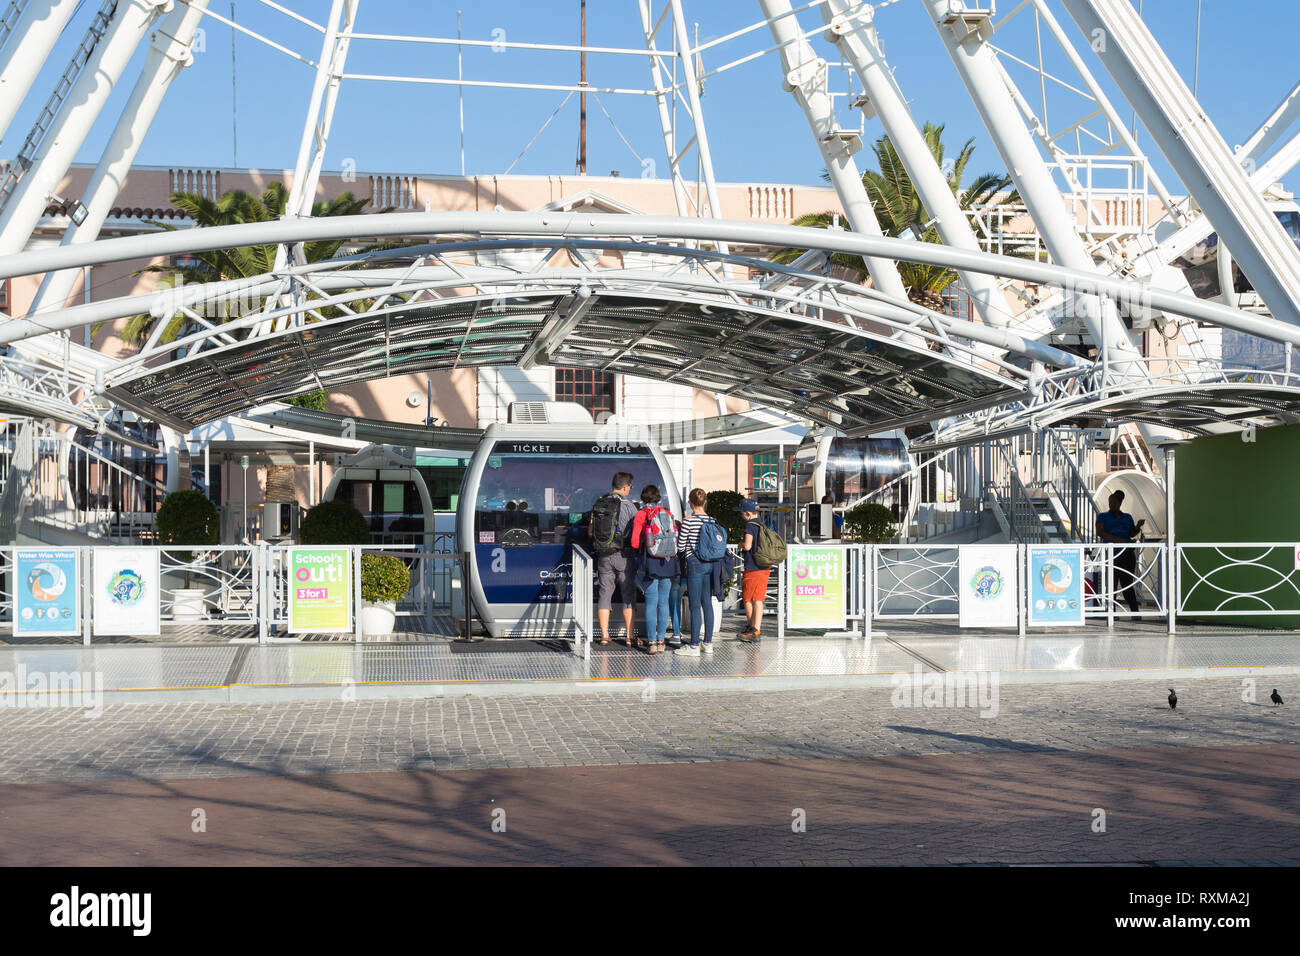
(1275, 697)
(1173, 699)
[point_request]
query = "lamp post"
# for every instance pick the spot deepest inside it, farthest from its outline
(243, 463)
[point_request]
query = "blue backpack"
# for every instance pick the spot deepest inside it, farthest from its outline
(712, 543)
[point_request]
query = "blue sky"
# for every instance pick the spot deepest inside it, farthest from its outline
(756, 131)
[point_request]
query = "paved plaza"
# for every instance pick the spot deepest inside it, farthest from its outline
(672, 777)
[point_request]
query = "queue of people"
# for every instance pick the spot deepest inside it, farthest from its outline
(647, 549)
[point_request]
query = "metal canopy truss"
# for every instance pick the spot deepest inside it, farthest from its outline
(1195, 396)
(821, 348)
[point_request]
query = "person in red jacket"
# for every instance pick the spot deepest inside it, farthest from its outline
(655, 575)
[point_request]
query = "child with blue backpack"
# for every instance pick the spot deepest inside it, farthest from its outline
(654, 538)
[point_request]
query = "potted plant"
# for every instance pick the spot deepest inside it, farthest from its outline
(870, 522)
(384, 582)
(188, 518)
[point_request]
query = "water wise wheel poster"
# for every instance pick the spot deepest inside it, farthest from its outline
(1055, 585)
(46, 592)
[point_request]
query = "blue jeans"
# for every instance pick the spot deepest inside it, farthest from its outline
(675, 604)
(656, 607)
(699, 593)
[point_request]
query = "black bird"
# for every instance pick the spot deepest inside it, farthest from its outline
(1275, 697)
(1173, 699)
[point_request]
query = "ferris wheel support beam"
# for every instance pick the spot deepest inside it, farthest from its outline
(854, 34)
(987, 83)
(805, 78)
(1196, 151)
(129, 23)
(26, 51)
(320, 109)
(1286, 113)
(169, 53)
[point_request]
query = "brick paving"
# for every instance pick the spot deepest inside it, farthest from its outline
(1163, 805)
(694, 777)
(165, 741)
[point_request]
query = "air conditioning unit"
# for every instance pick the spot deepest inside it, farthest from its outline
(549, 413)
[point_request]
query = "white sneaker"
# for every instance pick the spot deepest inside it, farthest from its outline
(687, 651)
(707, 647)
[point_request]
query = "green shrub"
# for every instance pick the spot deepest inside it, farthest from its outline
(334, 522)
(383, 579)
(187, 517)
(721, 507)
(870, 522)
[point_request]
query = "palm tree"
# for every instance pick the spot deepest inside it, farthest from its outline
(235, 206)
(901, 212)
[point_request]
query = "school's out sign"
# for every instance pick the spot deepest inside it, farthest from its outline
(816, 594)
(320, 590)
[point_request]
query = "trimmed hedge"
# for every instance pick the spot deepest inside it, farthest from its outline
(334, 522)
(870, 522)
(721, 507)
(188, 517)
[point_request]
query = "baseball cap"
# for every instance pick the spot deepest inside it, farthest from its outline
(748, 504)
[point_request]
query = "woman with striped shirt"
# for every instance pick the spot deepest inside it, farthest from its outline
(699, 577)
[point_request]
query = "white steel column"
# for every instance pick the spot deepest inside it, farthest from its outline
(315, 134)
(697, 114)
(26, 50)
(1196, 151)
(664, 94)
(168, 54)
(855, 36)
(805, 77)
(985, 80)
(130, 21)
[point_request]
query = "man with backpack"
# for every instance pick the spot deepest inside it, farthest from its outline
(763, 549)
(609, 529)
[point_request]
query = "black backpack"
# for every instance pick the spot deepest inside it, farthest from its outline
(606, 536)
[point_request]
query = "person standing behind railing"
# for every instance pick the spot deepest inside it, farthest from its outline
(754, 581)
(702, 572)
(654, 539)
(1118, 527)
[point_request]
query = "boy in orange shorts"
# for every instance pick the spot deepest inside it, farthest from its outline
(754, 581)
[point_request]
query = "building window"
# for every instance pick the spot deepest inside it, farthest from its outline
(1119, 457)
(764, 475)
(956, 302)
(592, 389)
(4, 296)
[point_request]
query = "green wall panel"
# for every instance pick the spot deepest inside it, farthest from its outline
(1229, 490)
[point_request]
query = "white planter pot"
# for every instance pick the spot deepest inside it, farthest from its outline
(378, 619)
(187, 604)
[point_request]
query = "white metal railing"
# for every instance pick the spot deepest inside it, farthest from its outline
(914, 581)
(582, 601)
(243, 589)
(1108, 582)
(1238, 579)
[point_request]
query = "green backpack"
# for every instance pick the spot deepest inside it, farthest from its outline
(769, 549)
